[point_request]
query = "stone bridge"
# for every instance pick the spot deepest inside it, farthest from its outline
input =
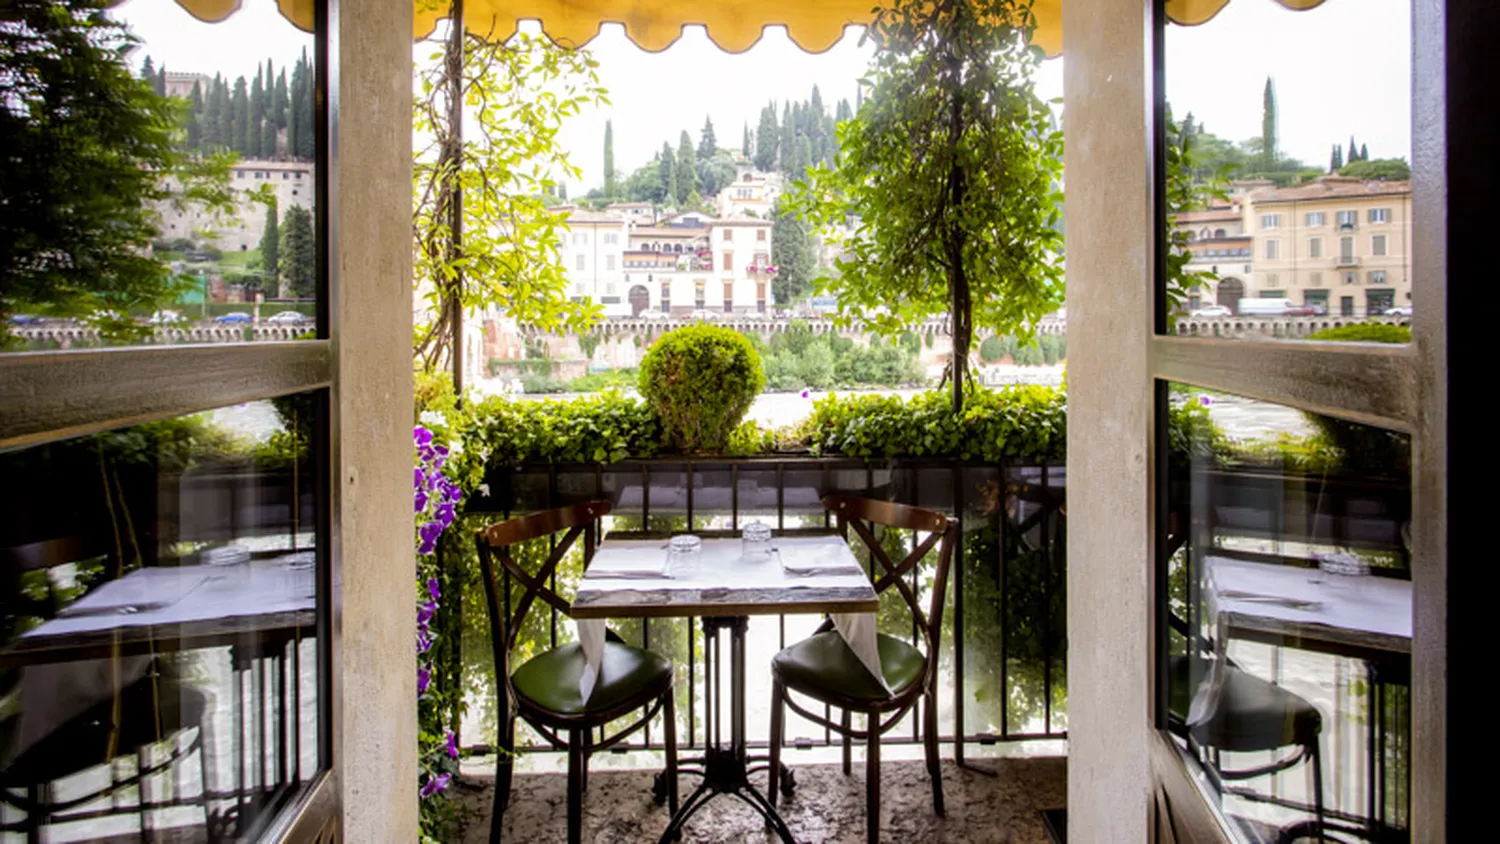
(1287, 327)
(71, 336)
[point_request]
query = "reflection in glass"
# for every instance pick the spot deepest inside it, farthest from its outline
(179, 205)
(1281, 223)
(157, 627)
(1288, 601)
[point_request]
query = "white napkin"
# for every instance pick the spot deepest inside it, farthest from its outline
(631, 561)
(591, 638)
(858, 630)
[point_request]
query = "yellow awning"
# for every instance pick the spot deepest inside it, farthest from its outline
(734, 25)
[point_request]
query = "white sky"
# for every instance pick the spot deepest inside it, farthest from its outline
(1343, 67)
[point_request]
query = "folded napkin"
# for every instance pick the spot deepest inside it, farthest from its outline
(591, 634)
(631, 561)
(817, 556)
(1260, 598)
(858, 630)
(141, 591)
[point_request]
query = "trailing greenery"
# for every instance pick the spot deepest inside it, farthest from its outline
(701, 380)
(1365, 332)
(1022, 421)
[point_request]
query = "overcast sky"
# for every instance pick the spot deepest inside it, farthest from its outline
(1342, 68)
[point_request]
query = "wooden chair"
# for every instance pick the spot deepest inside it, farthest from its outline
(824, 668)
(146, 708)
(544, 690)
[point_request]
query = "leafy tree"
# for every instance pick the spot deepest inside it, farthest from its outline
(1353, 150)
(716, 172)
(86, 145)
(270, 246)
(301, 131)
(666, 169)
(239, 116)
(788, 142)
(299, 263)
(148, 71)
(516, 96)
(1185, 192)
(279, 101)
(216, 126)
(707, 143)
(1364, 153)
(746, 145)
(1336, 160)
(644, 185)
(795, 254)
(953, 165)
(253, 133)
(1268, 139)
(767, 139)
(1381, 169)
(694, 202)
(611, 188)
(685, 169)
(193, 129)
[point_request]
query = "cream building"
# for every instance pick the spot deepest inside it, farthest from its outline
(1337, 242)
(753, 194)
(1220, 247)
(593, 255)
(292, 183)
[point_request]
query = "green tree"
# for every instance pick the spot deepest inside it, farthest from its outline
(788, 143)
(1336, 160)
(1364, 153)
(301, 117)
(746, 144)
(1268, 138)
(666, 170)
(686, 169)
(795, 254)
(298, 257)
(1186, 191)
(270, 247)
(716, 172)
(707, 143)
(239, 117)
(953, 165)
(1353, 151)
(148, 71)
(216, 117)
(279, 101)
(1381, 169)
(515, 96)
(93, 142)
(193, 127)
(611, 187)
(767, 139)
(253, 133)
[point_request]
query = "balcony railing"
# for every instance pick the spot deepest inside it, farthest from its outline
(1348, 261)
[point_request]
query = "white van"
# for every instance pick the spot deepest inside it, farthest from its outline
(1266, 307)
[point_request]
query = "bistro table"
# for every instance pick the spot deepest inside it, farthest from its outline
(724, 594)
(1367, 617)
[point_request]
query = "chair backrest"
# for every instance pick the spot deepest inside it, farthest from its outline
(495, 543)
(852, 513)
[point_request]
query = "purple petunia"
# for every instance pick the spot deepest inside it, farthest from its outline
(421, 500)
(425, 641)
(453, 745)
(426, 612)
(424, 679)
(433, 590)
(422, 435)
(804, 394)
(1205, 400)
(435, 784)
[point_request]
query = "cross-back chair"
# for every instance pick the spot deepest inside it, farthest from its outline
(825, 669)
(544, 691)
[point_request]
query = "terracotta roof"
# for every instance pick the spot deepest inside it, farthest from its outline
(595, 217)
(1209, 215)
(627, 205)
(742, 221)
(1330, 187)
(662, 231)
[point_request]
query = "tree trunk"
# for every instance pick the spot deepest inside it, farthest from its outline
(452, 168)
(963, 330)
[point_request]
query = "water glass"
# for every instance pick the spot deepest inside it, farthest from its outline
(683, 554)
(755, 542)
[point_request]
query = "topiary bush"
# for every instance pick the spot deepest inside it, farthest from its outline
(992, 349)
(700, 381)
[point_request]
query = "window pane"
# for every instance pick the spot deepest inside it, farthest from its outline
(1261, 148)
(161, 579)
(1288, 595)
(180, 207)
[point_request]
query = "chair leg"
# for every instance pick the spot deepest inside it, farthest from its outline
(143, 796)
(1317, 772)
(36, 820)
(577, 759)
(848, 745)
(934, 763)
(504, 764)
(588, 752)
(778, 727)
(872, 780)
(669, 725)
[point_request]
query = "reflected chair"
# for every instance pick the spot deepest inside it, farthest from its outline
(544, 691)
(824, 668)
(148, 707)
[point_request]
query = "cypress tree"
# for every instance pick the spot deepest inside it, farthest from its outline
(297, 258)
(1353, 151)
(686, 169)
(1336, 161)
(148, 70)
(746, 143)
(767, 139)
(611, 184)
(239, 125)
(270, 248)
(279, 101)
(788, 136)
(194, 116)
(667, 173)
(1268, 127)
(303, 113)
(257, 116)
(220, 111)
(1364, 153)
(707, 143)
(160, 82)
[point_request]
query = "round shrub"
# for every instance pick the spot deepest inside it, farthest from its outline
(700, 381)
(992, 349)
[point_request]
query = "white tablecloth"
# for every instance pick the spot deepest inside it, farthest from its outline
(626, 565)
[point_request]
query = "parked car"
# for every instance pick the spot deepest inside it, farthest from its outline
(1213, 311)
(1301, 310)
(1266, 307)
(1399, 310)
(235, 318)
(25, 319)
(287, 318)
(166, 318)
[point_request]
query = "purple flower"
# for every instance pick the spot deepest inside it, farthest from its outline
(421, 501)
(423, 436)
(424, 679)
(1205, 400)
(433, 590)
(453, 745)
(429, 536)
(804, 394)
(419, 481)
(426, 612)
(435, 784)
(445, 513)
(425, 641)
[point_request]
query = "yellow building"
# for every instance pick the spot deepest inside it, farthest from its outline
(1335, 242)
(1218, 245)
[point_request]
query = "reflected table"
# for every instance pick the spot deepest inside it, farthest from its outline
(256, 609)
(1368, 618)
(725, 599)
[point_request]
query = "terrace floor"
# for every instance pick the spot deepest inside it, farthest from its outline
(827, 806)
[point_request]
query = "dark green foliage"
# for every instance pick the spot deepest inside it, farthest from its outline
(701, 380)
(1028, 422)
(794, 251)
(1365, 332)
(611, 185)
(1268, 129)
(270, 247)
(797, 358)
(1383, 169)
(685, 169)
(707, 143)
(666, 172)
(747, 145)
(992, 350)
(298, 260)
(767, 139)
(1336, 160)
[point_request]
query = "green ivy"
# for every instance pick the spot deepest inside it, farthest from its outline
(1365, 332)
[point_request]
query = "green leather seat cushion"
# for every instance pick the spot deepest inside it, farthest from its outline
(1253, 714)
(549, 680)
(823, 666)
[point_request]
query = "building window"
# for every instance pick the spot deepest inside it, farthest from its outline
(1351, 278)
(1315, 247)
(1377, 245)
(609, 262)
(1247, 268)
(1271, 279)
(1346, 249)
(286, 177)
(609, 288)
(239, 174)
(611, 238)
(1380, 215)
(581, 260)
(579, 238)
(728, 234)
(1218, 232)
(729, 262)
(1315, 219)
(760, 235)
(1273, 250)
(1347, 219)
(1377, 276)
(1270, 221)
